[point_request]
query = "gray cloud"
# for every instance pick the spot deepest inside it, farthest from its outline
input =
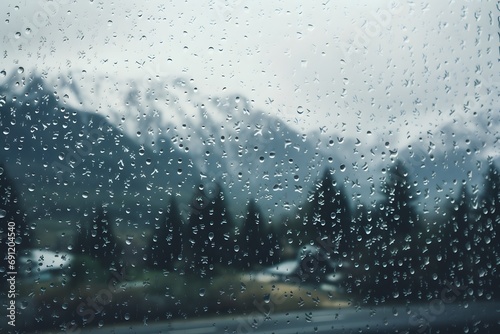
(352, 66)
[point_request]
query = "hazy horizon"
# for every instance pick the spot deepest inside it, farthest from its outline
(294, 60)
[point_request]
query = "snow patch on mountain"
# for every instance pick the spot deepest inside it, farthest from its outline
(256, 154)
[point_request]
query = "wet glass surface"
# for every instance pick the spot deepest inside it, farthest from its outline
(241, 167)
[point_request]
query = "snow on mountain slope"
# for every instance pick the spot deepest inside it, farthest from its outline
(255, 154)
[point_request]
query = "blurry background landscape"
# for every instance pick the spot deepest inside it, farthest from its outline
(92, 202)
(181, 160)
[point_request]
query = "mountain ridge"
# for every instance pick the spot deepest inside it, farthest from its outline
(257, 155)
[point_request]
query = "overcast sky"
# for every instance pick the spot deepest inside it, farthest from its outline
(344, 65)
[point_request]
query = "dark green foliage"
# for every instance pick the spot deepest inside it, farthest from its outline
(99, 241)
(12, 212)
(469, 251)
(397, 210)
(165, 248)
(251, 238)
(330, 213)
(490, 199)
(86, 269)
(208, 241)
(258, 243)
(459, 233)
(394, 256)
(486, 247)
(271, 248)
(12, 209)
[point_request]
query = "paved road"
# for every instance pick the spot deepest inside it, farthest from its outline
(433, 317)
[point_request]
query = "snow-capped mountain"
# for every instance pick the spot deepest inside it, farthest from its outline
(62, 154)
(253, 153)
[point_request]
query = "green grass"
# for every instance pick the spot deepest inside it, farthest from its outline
(161, 296)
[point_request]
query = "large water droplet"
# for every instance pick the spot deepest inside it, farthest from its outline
(368, 229)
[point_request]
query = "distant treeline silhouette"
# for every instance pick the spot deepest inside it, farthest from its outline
(394, 252)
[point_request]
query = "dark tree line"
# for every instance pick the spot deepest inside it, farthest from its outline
(396, 255)
(329, 214)
(399, 256)
(97, 239)
(166, 248)
(471, 251)
(393, 258)
(408, 260)
(14, 227)
(210, 239)
(11, 211)
(208, 236)
(257, 242)
(97, 249)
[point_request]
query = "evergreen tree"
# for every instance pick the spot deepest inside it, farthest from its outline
(487, 248)
(209, 237)
(330, 214)
(393, 274)
(99, 241)
(398, 212)
(11, 212)
(456, 235)
(13, 226)
(271, 247)
(490, 205)
(461, 233)
(251, 238)
(259, 244)
(166, 245)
